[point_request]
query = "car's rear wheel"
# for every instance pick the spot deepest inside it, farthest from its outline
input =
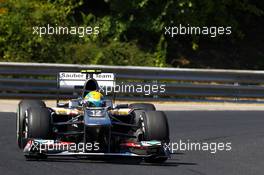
(20, 127)
(143, 106)
(139, 108)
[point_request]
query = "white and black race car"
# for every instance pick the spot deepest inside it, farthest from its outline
(75, 129)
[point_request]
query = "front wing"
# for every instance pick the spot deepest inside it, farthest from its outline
(52, 148)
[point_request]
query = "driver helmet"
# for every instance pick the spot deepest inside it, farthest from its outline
(94, 99)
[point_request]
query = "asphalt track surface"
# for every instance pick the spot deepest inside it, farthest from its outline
(244, 129)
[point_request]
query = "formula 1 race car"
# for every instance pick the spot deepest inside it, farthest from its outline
(76, 129)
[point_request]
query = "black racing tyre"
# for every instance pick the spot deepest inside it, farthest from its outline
(137, 115)
(143, 106)
(139, 108)
(136, 120)
(38, 122)
(20, 121)
(156, 160)
(155, 126)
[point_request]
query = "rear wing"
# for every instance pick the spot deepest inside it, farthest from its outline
(76, 80)
(72, 81)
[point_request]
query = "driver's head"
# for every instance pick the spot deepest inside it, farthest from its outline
(94, 99)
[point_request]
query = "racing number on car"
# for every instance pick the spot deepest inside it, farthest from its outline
(96, 113)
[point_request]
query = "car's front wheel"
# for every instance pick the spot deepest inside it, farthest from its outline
(20, 121)
(36, 124)
(155, 127)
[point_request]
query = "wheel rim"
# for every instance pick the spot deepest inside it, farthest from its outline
(18, 125)
(26, 125)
